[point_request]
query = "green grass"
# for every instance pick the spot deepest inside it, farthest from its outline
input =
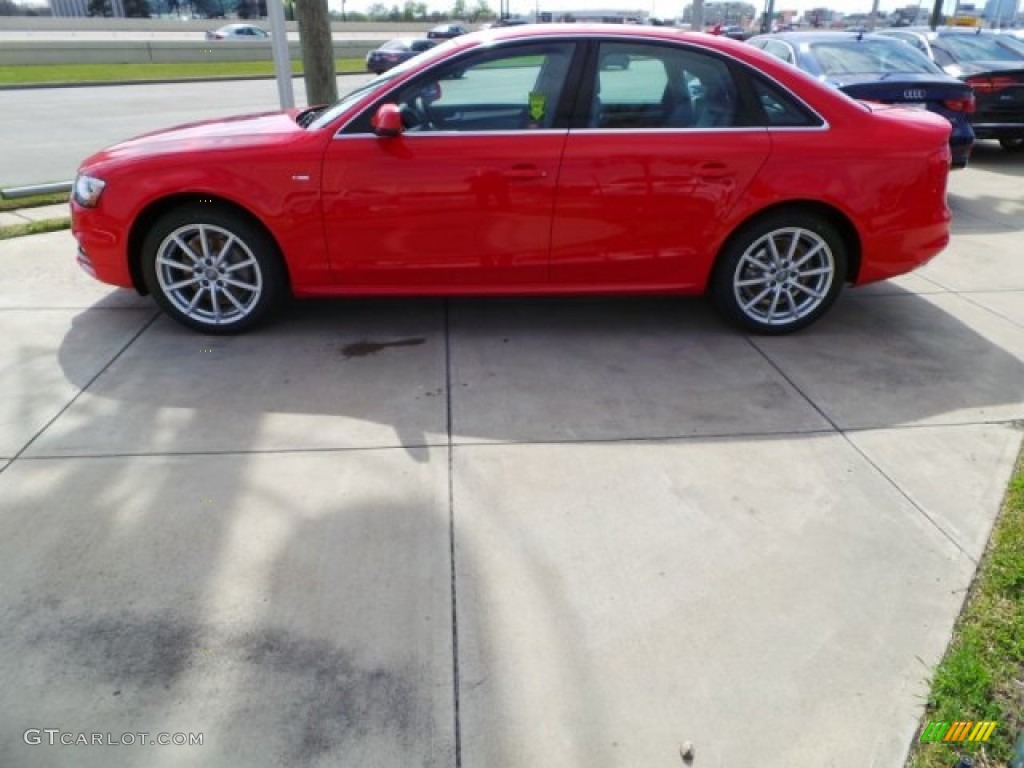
(981, 676)
(33, 202)
(48, 74)
(34, 228)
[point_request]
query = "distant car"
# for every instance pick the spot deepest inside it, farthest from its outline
(510, 22)
(447, 31)
(992, 64)
(880, 69)
(394, 52)
(705, 166)
(238, 32)
(734, 31)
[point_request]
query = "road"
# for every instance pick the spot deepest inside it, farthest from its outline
(45, 133)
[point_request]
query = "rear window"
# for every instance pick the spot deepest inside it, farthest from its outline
(869, 57)
(980, 48)
(780, 109)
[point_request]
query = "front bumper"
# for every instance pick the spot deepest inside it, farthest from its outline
(102, 246)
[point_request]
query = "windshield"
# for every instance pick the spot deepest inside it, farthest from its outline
(870, 57)
(376, 85)
(981, 48)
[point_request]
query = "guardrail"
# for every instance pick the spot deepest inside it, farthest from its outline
(16, 52)
(49, 24)
(16, 193)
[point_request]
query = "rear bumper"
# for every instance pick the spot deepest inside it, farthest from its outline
(999, 130)
(903, 252)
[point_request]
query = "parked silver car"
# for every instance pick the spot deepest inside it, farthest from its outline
(238, 32)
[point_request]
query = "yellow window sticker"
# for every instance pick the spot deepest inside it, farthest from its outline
(538, 103)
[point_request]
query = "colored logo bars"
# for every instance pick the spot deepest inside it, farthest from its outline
(962, 730)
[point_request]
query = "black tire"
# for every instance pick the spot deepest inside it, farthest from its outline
(773, 292)
(212, 270)
(1012, 145)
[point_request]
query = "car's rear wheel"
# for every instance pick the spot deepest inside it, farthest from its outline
(1012, 145)
(780, 273)
(212, 270)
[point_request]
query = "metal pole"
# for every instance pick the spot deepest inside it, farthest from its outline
(769, 14)
(282, 55)
(697, 22)
(13, 193)
(873, 18)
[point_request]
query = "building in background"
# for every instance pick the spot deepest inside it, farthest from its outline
(65, 8)
(1001, 13)
(911, 15)
(600, 16)
(724, 13)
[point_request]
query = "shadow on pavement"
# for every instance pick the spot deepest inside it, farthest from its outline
(538, 370)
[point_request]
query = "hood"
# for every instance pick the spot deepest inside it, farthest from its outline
(247, 131)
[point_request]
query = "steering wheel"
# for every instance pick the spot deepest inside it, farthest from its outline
(416, 116)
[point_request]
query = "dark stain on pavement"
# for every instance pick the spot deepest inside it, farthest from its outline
(143, 652)
(330, 698)
(312, 700)
(366, 348)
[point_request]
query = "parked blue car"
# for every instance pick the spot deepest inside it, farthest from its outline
(992, 63)
(882, 69)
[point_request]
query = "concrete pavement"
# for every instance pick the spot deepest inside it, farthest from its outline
(39, 213)
(530, 533)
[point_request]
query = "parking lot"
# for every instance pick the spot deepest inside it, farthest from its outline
(500, 532)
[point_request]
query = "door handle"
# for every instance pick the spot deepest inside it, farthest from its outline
(524, 173)
(713, 170)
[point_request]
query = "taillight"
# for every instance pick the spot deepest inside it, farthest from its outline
(960, 105)
(984, 84)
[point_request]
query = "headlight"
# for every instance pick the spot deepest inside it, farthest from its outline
(88, 190)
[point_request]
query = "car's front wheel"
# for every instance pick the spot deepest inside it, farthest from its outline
(780, 273)
(211, 269)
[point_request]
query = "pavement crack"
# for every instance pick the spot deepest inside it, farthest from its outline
(881, 472)
(451, 530)
(145, 327)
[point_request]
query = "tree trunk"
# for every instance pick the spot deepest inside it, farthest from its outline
(317, 51)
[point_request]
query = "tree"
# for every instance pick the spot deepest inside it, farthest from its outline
(137, 9)
(100, 8)
(251, 9)
(317, 51)
(481, 11)
(211, 9)
(377, 12)
(9, 8)
(459, 10)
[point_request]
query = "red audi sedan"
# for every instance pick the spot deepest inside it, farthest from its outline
(554, 159)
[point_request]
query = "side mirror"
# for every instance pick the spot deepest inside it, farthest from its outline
(387, 121)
